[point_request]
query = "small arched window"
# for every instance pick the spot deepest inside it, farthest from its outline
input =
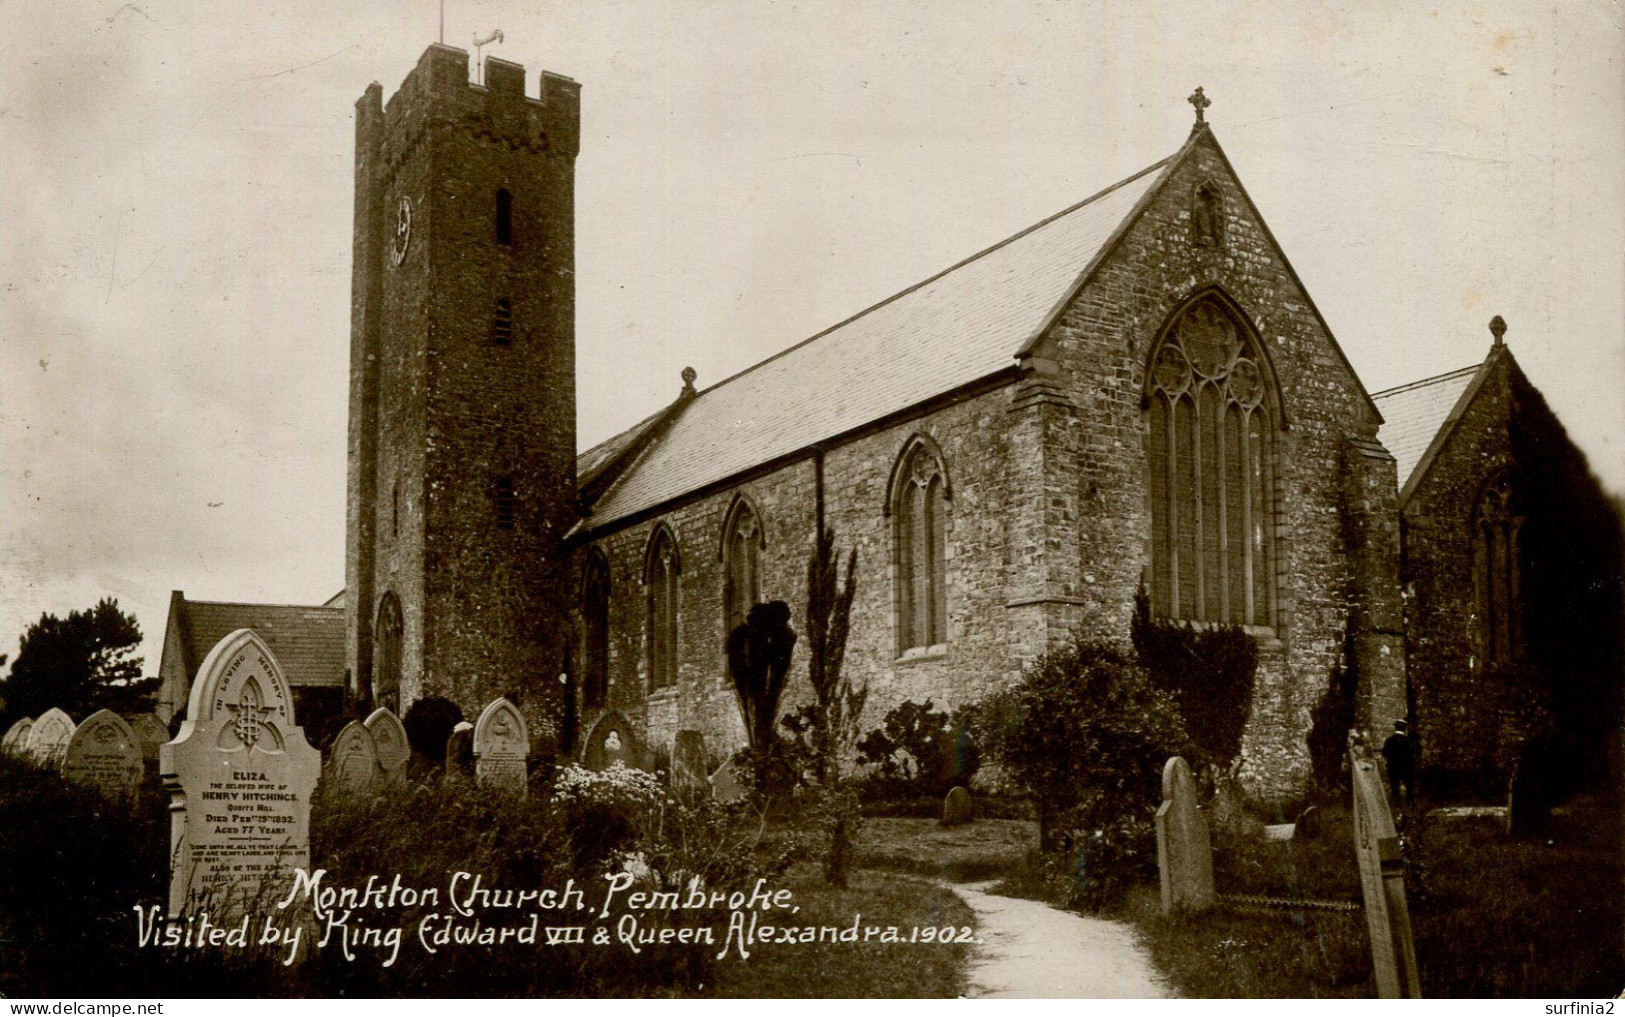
(386, 660)
(662, 569)
(742, 543)
(1496, 523)
(1211, 418)
(595, 633)
(919, 509)
(504, 217)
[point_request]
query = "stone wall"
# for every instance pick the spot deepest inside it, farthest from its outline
(1050, 520)
(439, 411)
(1454, 732)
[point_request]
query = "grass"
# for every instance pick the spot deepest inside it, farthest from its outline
(978, 850)
(862, 970)
(1492, 916)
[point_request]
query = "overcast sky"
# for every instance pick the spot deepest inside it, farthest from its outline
(175, 209)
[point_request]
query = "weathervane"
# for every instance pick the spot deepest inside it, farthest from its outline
(495, 36)
(1201, 102)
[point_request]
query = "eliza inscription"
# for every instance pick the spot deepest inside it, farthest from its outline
(240, 775)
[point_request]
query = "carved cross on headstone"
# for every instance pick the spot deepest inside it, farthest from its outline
(1201, 102)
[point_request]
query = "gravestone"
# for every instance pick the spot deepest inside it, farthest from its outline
(688, 761)
(352, 762)
(106, 754)
(1184, 852)
(239, 775)
(726, 786)
(956, 808)
(501, 747)
(460, 752)
(48, 738)
(1280, 831)
(611, 741)
(1307, 826)
(389, 738)
(16, 737)
(150, 732)
(1382, 879)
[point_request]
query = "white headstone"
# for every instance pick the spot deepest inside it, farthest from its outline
(16, 738)
(389, 738)
(501, 747)
(48, 738)
(725, 783)
(104, 753)
(352, 762)
(239, 774)
(1184, 852)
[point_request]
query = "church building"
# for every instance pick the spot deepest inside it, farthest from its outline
(1137, 390)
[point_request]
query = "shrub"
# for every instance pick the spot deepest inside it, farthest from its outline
(1086, 733)
(919, 750)
(429, 723)
(1209, 672)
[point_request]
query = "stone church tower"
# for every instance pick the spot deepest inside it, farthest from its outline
(462, 383)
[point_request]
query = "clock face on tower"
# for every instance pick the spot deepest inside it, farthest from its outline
(403, 229)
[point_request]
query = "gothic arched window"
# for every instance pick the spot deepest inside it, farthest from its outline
(919, 510)
(1212, 413)
(1496, 523)
(386, 659)
(662, 567)
(595, 632)
(742, 543)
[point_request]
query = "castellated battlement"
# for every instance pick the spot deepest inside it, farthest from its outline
(439, 87)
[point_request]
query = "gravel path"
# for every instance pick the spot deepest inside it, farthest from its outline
(1030, 950)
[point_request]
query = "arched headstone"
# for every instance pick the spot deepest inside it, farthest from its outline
(105, 754)
(16, 738)
(501, 747)
(460, 752)
(389, 738)
(48, 738)
(1184, 852)
(239, 775)
(150, 732)
(612, 741)
(352, 762)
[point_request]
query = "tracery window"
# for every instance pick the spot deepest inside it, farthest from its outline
(386, 666)
(1496, 523)
(661, 571)
(595, 633)
(919, 512)
(742, 543)
(1212, 413)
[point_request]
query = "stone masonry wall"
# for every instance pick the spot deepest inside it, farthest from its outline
(1453, 732)
(1050, 521)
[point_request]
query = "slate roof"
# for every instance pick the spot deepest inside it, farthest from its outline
(307, 641)
(1413, 416)
(958, 327)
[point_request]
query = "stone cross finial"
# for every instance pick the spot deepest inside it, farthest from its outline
(1201, 102)
(689, 374)
(1498, 328)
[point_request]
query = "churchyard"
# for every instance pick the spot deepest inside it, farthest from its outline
(235, 858)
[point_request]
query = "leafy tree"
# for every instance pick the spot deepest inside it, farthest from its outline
(759, 653)
(79, 664)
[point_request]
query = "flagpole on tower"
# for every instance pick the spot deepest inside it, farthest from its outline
(442, 22)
